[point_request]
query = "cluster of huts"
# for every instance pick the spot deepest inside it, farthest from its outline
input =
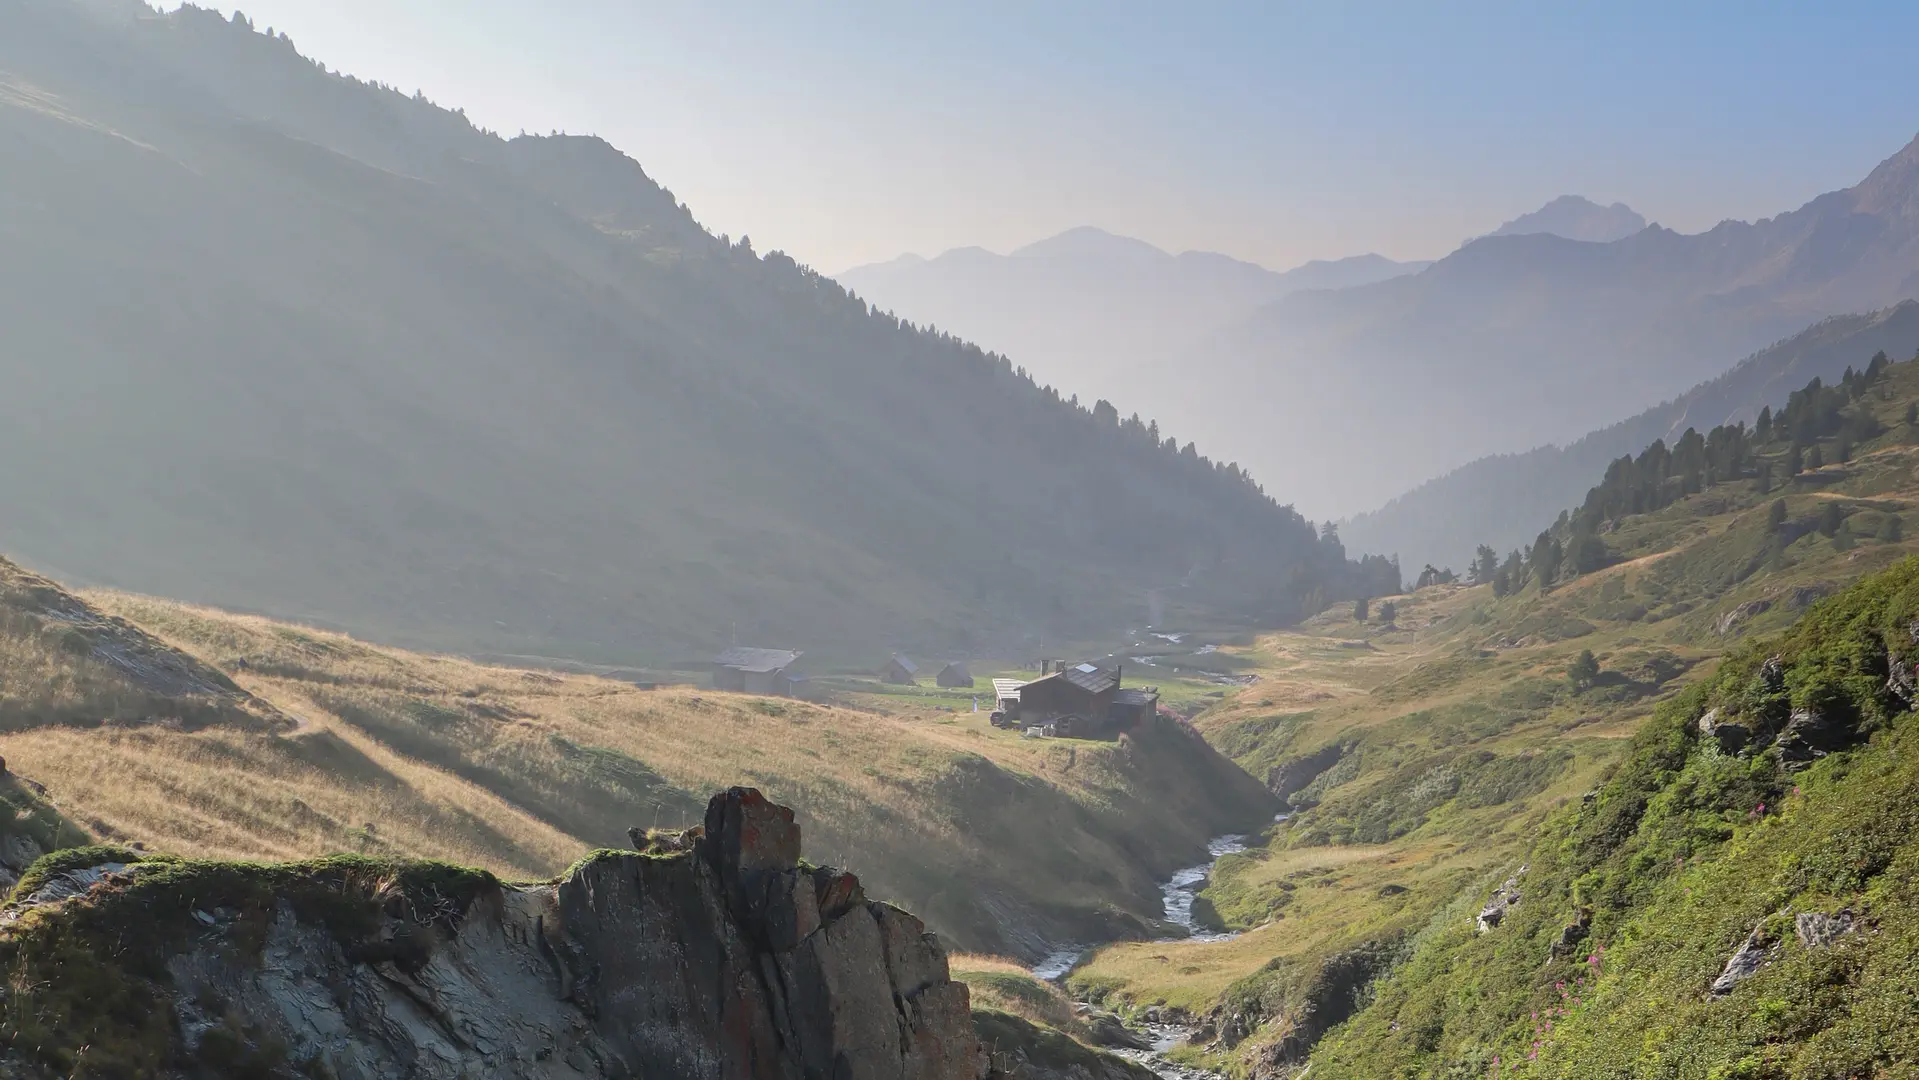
(1080, 701)
(900, 671)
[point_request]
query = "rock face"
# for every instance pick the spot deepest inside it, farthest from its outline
(729, 962)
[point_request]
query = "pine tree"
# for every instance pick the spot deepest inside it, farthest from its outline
(1830, 519)
(1546, 558)
(1763, 485)
(1815, 459)
(1584, 669)
(1842, 540)
(1485, 564)
(1359, 610)
(1387, 612)
(1776, 516)
(1795, 461)
(1912, 415)
(1890, 529)
(1762, 430)
(1501, 584)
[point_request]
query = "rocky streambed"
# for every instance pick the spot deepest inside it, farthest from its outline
(1159, 1033)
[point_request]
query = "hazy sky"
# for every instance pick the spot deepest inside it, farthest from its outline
(852, 132)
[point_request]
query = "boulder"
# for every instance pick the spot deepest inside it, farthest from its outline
(1730, 735)
(1808, 736)
(1745, 963)
(746, 832)
(837, 892)
(1106, 1029)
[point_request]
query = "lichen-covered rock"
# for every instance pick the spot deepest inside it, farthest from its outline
(717, 963)
(1503, 899)
(1818, 930)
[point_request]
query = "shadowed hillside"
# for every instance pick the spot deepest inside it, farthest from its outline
(289, 342)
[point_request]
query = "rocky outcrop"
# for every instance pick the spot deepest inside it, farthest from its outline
(1808, 736)
(1740, 615)
(1746, 962)
(1504, 899)
(1572, 935)
(1731, 736)
(732, 962)
(1293, 775)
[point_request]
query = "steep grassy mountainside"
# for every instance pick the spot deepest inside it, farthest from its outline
(1086, 309)
(1719, 907)
(210, 735)
(1423, 749)
(287, 342)
(1520, 341)
(1502, 500)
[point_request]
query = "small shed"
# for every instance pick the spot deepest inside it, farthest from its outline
(1134, 705)
(953, 675)
(1006, 698)
(754, 671)
(900, 671)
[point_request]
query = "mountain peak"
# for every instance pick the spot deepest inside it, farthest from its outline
(1576, 217)
(1086, 241)
(1893, 185)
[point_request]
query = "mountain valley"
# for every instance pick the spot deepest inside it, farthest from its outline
(462, 617)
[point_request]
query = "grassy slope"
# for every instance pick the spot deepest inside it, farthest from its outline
(1438, 747)
(329, 744)
(1679, 857)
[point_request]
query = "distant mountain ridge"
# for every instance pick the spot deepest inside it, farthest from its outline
(1086, 307)
(1576, 217)
(1504, 500)
(1515, 341)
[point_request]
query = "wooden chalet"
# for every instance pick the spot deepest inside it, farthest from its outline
(899, 671)
(756, 671)
(1081, 701)
(953, 675)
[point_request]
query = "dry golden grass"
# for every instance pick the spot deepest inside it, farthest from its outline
(999, 983)
(520, 771)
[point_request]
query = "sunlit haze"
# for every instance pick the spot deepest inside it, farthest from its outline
(1274, 133)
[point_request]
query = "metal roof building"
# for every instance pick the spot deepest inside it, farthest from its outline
(754, 671)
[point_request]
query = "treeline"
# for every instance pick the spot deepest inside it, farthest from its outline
(1818, 425)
